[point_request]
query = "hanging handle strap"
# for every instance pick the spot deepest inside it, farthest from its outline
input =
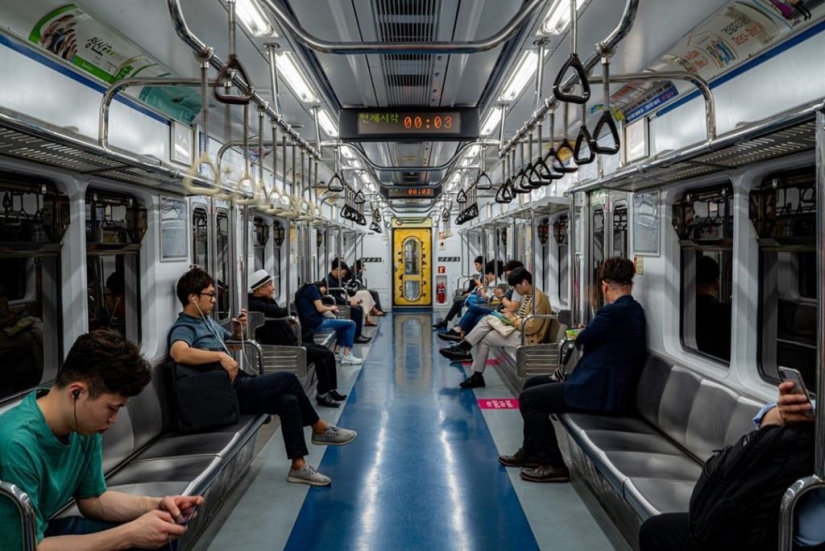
(504, 195)
(575, 64)
(584, 139)
(606, 119)
(225, 74)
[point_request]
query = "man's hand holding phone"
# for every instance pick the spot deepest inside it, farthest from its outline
(793, 406)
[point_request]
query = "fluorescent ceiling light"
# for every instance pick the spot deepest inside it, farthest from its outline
(366, 178)
(347, 152)
(355, 163)
(525, 69)
(559, 17)
(327, 124)
(492, 120)
(253, 18)
(292, 75)
(473, 152)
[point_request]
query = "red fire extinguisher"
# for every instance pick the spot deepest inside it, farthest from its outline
(441, 292)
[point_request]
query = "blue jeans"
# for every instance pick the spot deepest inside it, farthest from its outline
(344, 330)
(472, 316)
(82, 526)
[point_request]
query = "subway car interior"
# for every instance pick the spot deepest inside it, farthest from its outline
(413, 155)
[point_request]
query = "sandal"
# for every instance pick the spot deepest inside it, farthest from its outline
(370, 323)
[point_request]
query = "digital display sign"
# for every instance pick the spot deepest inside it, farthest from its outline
(458, 124)
(446, 122)
(411, 192)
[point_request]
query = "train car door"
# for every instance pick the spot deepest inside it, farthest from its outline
(412, 272)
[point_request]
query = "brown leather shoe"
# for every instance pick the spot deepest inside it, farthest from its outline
(518, 459)
(546, 473)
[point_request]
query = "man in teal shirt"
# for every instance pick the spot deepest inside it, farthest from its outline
(51, 448)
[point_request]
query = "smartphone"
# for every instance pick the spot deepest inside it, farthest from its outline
(790, 374)
(185, 519)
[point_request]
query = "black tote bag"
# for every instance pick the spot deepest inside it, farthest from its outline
(203, 398)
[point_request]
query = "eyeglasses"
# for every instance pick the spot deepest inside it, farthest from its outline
(210, 295)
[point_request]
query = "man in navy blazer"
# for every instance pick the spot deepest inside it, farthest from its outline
(604, 380)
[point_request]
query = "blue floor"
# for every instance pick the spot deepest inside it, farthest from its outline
(422, 473)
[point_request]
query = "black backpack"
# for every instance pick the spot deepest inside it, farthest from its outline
(735, 503)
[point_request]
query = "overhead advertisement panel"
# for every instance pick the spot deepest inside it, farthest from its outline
(412, 124)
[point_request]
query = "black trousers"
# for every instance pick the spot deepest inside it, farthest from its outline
(278, 394)
(324, 361)
(538, 399)
(455, 309)
(356, 314)
(671, 532)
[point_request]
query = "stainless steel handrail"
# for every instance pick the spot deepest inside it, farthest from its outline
(817, 481)
(530, 317)
(700, 83)
(350, 48)
(765, 127)
(603, 49)
(208, 54)
(24, 506)
(119, 86)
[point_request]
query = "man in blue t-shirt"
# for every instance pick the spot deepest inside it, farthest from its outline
(50, 448)
(198, 340)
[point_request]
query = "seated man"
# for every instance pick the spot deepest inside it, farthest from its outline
(458, 303)
(280, 332)
(604, 380)
(479, 303)
(317, 316)
(197, 339)
(335, 279)
(51, 448)
(510, 299)
(671, 531)
(485, 336)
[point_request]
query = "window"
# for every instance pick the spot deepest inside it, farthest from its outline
(783, 211)
(222, 253)
(560, 236)
(597, 257)
(33, 219)
(200, 238)
(703, 220)
(115, 226)
(261, 239)
(619, 247)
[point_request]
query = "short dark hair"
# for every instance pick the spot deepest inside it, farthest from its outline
(338, 263)
(107, 362)
(617, 270)
(191, 283)
(518, 275)
(494, 267)
(707, 271)
(512, 265)
(479, 260)
(115, 283)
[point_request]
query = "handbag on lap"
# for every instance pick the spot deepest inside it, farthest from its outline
(502, 326)
(203, 397)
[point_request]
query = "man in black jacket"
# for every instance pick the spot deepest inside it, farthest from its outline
(281, 333)
(335, 280)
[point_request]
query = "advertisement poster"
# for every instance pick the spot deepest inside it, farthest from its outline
(739, 31)
(73, 35)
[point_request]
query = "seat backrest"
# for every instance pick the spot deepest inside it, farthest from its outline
(254, 320)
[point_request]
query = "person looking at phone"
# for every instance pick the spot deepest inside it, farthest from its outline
(510, 299)
(484, 335)
(335, 280)
(479, 303)
(198, 340)
(458, 303)
(671, 531)
(51, 448)
(317, 316)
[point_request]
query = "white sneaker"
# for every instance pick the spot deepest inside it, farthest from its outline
(351, 359)
(308, 475)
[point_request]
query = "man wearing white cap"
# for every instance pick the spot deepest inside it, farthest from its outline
(280, 333)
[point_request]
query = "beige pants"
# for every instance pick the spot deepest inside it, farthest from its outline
(367, 303)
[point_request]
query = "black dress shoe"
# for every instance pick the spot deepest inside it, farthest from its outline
(440, 325)
(362, 339)
(337, 396)
(546, 473)
(451, 335)
(518, 459)
(476, 380)
(455, 353)
(326, 401)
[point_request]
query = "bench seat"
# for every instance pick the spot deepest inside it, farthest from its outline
(650, 463)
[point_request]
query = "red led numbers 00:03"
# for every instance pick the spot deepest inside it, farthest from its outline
(438, 122)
